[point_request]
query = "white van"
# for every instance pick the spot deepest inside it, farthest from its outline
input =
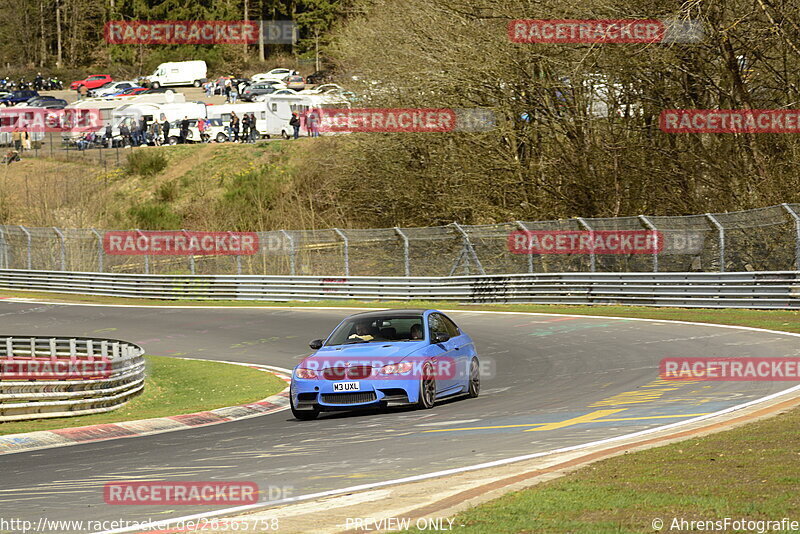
(178, 73)
(280, 108)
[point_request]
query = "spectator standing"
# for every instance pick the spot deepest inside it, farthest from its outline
(254, 133)
(109, 136)
(245, 127)
(26, 139)
(235, 127)
(201, 129)
(125, 133)
(165, 129)
(184, 129)
(294, 122)
(227, 90)
(155, 133)
(82, 92)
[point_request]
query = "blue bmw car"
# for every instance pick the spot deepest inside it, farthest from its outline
(378, 358)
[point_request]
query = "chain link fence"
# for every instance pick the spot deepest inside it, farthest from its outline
(766, 239)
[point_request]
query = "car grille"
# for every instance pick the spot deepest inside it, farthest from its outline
(348, 398)
(340, 373)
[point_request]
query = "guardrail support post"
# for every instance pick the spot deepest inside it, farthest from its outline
(524, 228)
(592, 259)
(346, 251)
(191, 256)
(147, 256)
(100, 251)
(290, 239)
(28, 236)
(4, 249)
(652, 227)
(721, 231)
(63, 249)
(406, 259)
(796, 218)
(470, 249)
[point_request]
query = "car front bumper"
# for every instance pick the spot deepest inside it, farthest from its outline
(310, 394)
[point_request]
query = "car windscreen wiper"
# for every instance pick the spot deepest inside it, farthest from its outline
(358, 341)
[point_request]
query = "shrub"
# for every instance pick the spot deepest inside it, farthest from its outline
(145, 163)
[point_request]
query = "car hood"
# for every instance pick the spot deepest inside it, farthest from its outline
(384, 352)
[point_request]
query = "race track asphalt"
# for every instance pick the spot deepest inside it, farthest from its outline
(551, 382)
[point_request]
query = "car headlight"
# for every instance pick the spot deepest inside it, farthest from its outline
(396, 368)
(305, 373)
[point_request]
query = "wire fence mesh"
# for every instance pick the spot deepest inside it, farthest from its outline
(765, 239)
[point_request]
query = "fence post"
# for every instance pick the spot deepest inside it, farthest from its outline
(191, 256)
(470, 248)
(28, 236)
(652, 227)
(288, 236)
(524, 228)
(346, 251)
(721, 231)
(100, 251)
(796, 218)
(63, 248)
(4, 250)
(238, 256)
(592, 259)
(406, 259)
(146, 256)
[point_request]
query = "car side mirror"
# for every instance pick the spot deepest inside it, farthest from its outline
(440, 337)
(316, 344)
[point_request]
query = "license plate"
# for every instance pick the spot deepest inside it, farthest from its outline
(346, 386)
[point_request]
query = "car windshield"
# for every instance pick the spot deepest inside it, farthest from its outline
(377, 329)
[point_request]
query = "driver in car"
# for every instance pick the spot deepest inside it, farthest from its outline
(362, 333)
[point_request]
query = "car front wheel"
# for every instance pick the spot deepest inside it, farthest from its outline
(303, 415)
(427, 388)
(474, 379)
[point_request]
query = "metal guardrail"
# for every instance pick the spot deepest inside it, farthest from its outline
(764, 239)
(762, 290)
(39, 395)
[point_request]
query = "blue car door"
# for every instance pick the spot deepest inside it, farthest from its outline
(446, 365)
(462, 351)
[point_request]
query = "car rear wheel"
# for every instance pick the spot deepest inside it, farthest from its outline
(221, 137)
(474, 379)
(155, 85)
(427, 388)
(303, 415)
(197, 83)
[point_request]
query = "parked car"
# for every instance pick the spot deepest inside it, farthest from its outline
(277, 75)
(282, 92)
(296, 82)
(54, 103)
(91, 82)
(135, 91)
(112, 88)
(251, 92)
(321, 76)
(214, 131)
(332, 88)
(16, 97)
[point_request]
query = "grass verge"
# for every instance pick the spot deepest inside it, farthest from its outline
(751, 472)
(173, 387)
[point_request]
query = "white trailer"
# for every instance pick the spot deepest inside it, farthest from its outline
(150, 112)
(280, 108)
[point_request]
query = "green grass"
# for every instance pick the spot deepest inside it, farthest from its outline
(750, 472)
(173, 387)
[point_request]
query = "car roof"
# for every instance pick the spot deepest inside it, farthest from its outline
(393, 312)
